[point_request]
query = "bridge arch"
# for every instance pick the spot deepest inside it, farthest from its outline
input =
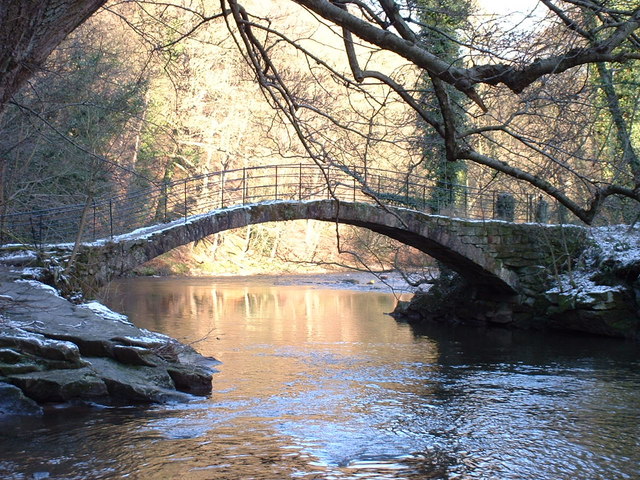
(456, 243)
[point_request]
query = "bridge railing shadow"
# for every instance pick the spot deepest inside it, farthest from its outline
(172, 201)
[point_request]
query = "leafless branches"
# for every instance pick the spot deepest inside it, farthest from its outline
(576, 37)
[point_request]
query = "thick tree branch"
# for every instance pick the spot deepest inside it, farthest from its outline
(464, 79)
(585, 214)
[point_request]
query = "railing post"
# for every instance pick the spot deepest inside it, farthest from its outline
(329, 183)
(111, 219)
(244, 185)
(300, 181)
(222, 189)
(95, 236)
(354, 189)
(493, 204)
(541, 214)
(186, 213)
(276, 185)
(406, 186)
(466, 202)
(33, 231)
(165, 193)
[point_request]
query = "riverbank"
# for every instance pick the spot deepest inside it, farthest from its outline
(596, 291)
(53, 351)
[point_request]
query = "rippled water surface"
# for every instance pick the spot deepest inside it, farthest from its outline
(317, 383)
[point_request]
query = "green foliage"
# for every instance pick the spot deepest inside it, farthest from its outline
(442, 20)
(617, 108)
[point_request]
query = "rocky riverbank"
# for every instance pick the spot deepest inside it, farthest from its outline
(597, 293)
(53, 351)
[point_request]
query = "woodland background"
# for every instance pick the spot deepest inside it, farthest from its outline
(146, 92)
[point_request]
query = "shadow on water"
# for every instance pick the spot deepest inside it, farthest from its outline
(495, 345)
(538, 405)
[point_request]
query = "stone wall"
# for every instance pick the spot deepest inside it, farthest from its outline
(566, 281)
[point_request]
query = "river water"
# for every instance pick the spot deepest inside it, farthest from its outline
(318, 383)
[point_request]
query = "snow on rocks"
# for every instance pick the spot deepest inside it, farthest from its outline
(618, 245)
(582, 288)
(614, 248)
(55, 351)
(601, 294)
(18, 257)
(40, 285)
(106, 313)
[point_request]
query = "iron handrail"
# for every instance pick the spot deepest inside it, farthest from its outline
(108, 216)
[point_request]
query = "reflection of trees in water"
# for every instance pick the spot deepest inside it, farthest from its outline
(296, 314)
(320, 382)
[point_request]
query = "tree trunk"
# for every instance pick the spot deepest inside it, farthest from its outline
(623, 130)
(29, 31)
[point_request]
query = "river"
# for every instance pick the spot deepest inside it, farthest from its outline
(316, 382)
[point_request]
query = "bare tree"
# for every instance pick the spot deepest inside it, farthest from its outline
(569, 37)
(561, 47)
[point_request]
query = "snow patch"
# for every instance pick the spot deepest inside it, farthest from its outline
(155, 335)
(22, 255)
(106, 313)
(580, 286)
(35, 272)
(619, 244)
(19, 333)
(149, 339)
(40, 285)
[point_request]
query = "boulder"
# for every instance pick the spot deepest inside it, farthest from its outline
(60, 385)
(14, 402)
(136, 384)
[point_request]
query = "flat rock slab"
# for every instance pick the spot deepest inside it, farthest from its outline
(55, 351)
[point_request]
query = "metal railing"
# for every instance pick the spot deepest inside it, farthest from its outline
(107, 217)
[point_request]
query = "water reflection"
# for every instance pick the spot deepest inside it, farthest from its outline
(321, 384)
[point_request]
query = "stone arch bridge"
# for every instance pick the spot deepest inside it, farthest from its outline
(493, 255)
(111, 236)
